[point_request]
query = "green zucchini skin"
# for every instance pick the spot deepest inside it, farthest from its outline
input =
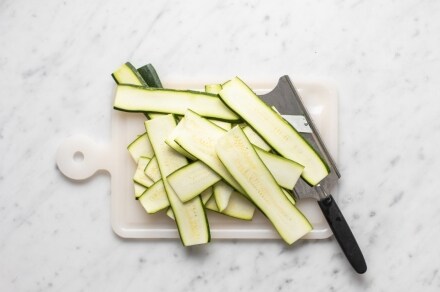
(276, 131)
(149, 74)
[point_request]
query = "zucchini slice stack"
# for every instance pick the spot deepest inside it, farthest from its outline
(222, 150)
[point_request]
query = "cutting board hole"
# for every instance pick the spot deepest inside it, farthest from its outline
(78, 156)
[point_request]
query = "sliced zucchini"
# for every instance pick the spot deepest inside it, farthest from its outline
(285, 171)
(255, 138)
(222, 194)
(238, 207)
(152, 170)
(170, 141)
(242, 161)
(224, 125)
(198, 136)
(211, 205)
(150, 76)
(140, 147)
(190, 217)
(127, 74)
(206, 195)
(138, 190)
(157, 100)
(170, 213)
(276, 131)
(213, 88)
(154, 198)
(139, 176)
(192, 179)
(289, 196)
(153, 115)
(275, 110)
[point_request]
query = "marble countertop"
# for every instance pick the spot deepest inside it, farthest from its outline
(55, 61)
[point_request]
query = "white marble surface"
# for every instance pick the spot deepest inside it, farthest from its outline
(55, 60)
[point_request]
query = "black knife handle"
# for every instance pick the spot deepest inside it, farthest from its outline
(343, 234)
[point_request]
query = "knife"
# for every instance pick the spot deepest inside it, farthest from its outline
(285, 98)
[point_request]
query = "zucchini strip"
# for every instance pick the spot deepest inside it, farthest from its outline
(138, 190)
(276, 131)
(255, 138)
(170, 141)
(170, 213)
(157, 100)
(149, 74)
(192, 179)
(242, 161)
(154, 198)
(141, 146)
(222, 194)
(139, 176)
(152, 170)
(127, 74)
(198, 136)
(285, 171)
(206, 195)
(190, 217)
(239, 207)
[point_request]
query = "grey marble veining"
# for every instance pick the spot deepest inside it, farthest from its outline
(55, 60)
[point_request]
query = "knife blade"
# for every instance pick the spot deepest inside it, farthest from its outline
(285, 98)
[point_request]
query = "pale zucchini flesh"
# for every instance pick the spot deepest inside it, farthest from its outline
(289, 196)
(224, 125)
(192, 179)
(139, 176)
(238, 207)
(285, 171)
(154, 198)
(141, 146)
(127, 74)
(276, 131)
(170, 213)
(170, 141)
(154, 115)
(138, 190)
(241, 160)
(156, 100)
(152, 170)
(211, 205)
(222, 194)
(215, 89)
(255, 138)
(206, 195)
(191, 220)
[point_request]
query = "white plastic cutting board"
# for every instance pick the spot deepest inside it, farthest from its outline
(129, 219)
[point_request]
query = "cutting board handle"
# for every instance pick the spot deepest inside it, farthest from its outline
(79, 158)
